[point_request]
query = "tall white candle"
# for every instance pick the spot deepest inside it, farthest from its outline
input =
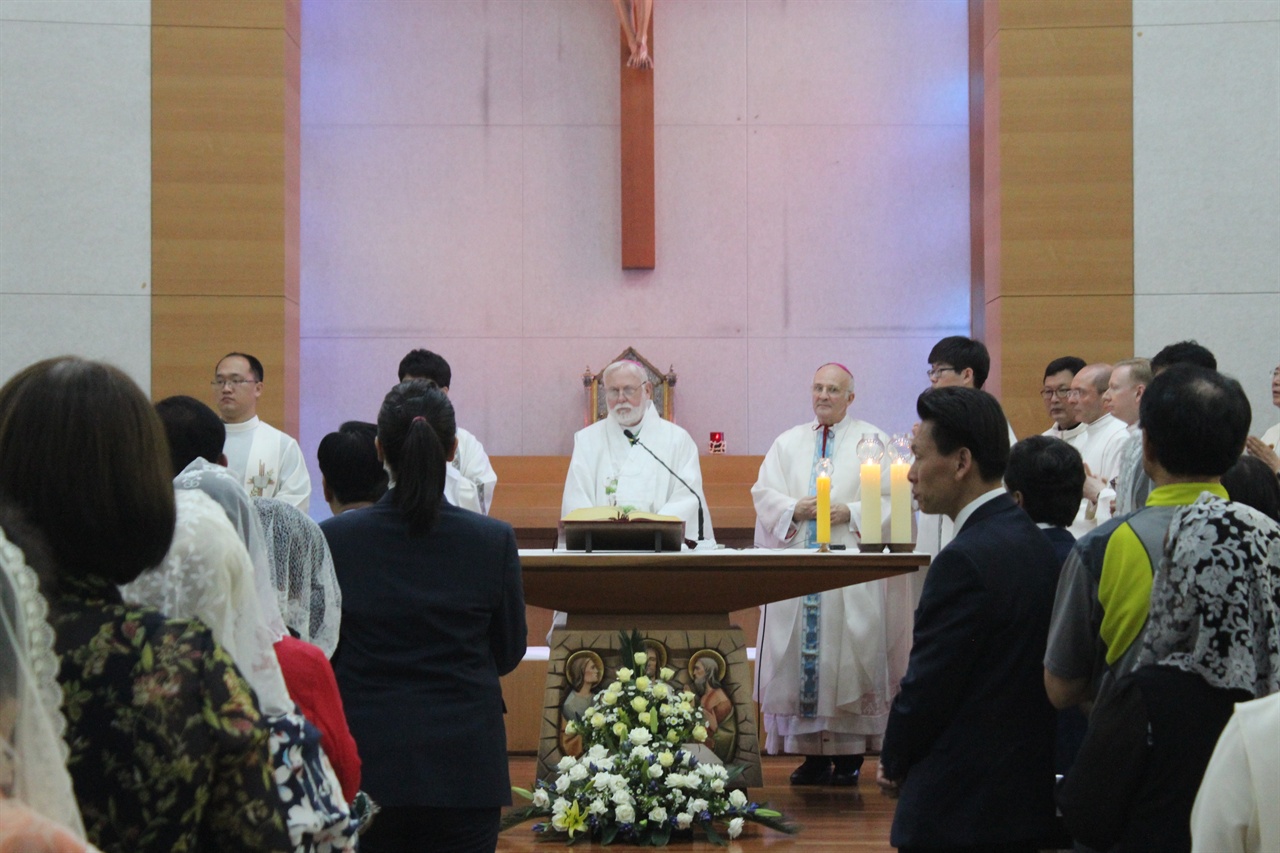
(870, 484)
(899, 502)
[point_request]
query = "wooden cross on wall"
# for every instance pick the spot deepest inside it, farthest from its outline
(639, 240)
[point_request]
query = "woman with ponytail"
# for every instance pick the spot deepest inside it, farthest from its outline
(432, 615)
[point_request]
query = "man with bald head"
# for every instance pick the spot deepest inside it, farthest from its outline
(1100, 445)
(610, 467)
(828, 664)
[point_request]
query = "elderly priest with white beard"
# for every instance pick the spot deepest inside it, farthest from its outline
(611, 467)
(829, 664)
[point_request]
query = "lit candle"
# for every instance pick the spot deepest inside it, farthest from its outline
(824, 509)
(899, 502)
(870, 485)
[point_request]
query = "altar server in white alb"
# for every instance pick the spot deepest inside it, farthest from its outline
(829, 664)
(469, 477)
(268, 462)
(610, 468)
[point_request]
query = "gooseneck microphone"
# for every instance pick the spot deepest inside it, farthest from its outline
(635, 439)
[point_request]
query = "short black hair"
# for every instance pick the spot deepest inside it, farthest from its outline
(1066, 362)
(1250, 481)
(1194, 420)
(1184, 352)
(1050, 475)
(424, 364)
(967, 417)
(961, 352)
(255, 366)
(194, 431)
(350, 465)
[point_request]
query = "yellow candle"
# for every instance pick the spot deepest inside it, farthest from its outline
(899, 502)
(870, 484)
(824, 509)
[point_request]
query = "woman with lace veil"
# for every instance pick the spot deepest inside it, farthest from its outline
(302, 572)
(38, 811)
(307, 590)
(168, 747)
(217, 570)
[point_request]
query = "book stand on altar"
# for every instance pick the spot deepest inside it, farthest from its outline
(680, 604)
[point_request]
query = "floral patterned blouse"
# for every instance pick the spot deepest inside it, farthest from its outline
(168, 748)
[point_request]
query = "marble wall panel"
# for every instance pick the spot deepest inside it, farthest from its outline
(411, 231)
(108, 327)
(858, 229)
(1206, 144)
(75, 157)
(422, 62)
(1239, 328)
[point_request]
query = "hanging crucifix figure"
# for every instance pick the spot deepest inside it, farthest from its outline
(634, 17)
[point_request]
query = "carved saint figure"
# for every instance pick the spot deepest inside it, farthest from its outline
(634, 16)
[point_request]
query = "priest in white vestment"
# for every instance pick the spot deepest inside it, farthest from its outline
(1265, 448)
(1103, 443)
(1054, 393)
(470, 479)
(826, 694)
(267, 462)
(608, 468)
(954, 362)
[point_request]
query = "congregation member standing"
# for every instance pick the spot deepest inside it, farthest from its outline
(168, 746)
(654, 469)
(825, 694)
(1194, 423)
(267, 462)
(1054, 393)
(351, 474)
(473, 476)
(1129, 381)
(432, 615)
(969, 745)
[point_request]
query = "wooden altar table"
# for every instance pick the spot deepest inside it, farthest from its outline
(680, 603)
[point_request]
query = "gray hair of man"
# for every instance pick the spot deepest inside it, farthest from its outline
(636, 369)
(711, 668)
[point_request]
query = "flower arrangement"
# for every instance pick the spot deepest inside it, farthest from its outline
(637, 782)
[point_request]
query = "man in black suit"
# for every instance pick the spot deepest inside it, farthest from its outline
(969, 746)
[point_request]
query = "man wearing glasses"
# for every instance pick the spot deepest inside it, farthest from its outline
(1054, 393)
(268, 462)
(642, 470)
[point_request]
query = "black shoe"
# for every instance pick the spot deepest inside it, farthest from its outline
(816, 770)
(846, 770)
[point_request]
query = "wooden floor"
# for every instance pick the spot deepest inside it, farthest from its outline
(832, 818)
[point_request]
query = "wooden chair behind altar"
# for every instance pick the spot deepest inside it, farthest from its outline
(664, 387)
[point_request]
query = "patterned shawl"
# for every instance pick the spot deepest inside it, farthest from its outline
(1215, 601)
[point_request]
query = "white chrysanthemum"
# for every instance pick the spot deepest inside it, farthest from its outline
(735, 827)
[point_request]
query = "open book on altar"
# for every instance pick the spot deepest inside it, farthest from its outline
(611, 528)
(615, 513)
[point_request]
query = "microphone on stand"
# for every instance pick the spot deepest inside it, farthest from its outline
(635, 439)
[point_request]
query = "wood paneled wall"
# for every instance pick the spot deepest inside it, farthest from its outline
(1054, 125)
(225, 175)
